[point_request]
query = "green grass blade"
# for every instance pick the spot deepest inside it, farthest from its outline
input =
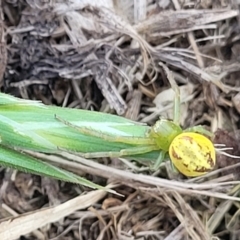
(34, 117)
(31, 125)
(23, 162)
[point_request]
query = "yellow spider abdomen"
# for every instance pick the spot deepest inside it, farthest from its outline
(192, 154)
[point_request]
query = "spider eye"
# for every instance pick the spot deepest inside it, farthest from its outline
(192, 154)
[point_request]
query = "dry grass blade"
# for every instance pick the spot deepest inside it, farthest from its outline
(208, 189)
(22, 225)
(171, 22)
(187, 216)
(3, 46)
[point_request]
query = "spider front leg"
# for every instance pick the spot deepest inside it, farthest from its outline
(160, 159)
(107, 137)
(199, 129)
(175, 88)
(122, 153)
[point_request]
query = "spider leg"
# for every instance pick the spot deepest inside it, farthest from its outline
(177, 101)
(124, 152)
(199, 129)
(107, 137)
(160, 159)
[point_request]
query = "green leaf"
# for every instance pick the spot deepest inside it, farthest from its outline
(31, 125)
(23, 162)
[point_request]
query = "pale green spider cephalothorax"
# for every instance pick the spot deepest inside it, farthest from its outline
(163, 132)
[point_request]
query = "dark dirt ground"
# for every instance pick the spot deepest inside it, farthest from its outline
(104, 56)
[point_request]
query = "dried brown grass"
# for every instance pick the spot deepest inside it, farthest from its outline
(107, 56)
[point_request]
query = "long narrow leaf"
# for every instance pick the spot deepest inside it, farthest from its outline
(40, 120)
(31, 125)
(26, 163)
